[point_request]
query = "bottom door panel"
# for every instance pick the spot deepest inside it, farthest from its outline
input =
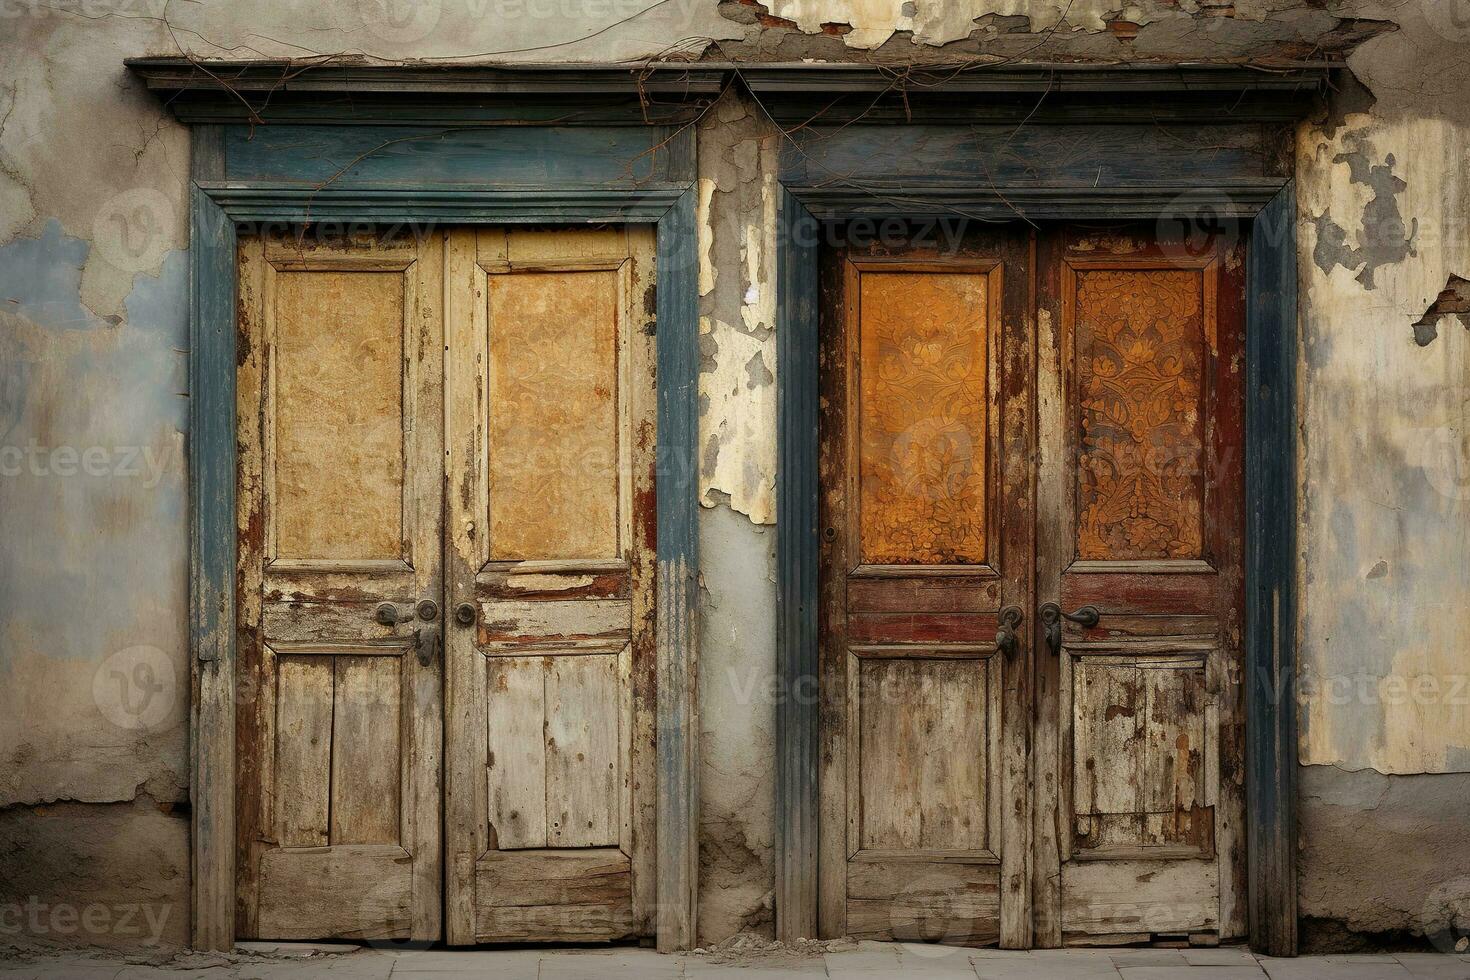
(572, 895)
(924, 901)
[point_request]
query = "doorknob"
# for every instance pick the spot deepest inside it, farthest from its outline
(1005, 637)
(464, 614)
(1051, 616)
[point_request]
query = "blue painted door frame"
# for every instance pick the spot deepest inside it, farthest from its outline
(246, 178)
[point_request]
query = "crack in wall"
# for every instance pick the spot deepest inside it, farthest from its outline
(1453, 300)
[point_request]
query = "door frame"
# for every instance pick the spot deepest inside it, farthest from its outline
(433, 147)
(993, 138)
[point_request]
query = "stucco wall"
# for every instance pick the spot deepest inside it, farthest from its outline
(1385, 471)
(93, 671)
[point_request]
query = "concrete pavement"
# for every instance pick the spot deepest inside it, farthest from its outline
(747, 960)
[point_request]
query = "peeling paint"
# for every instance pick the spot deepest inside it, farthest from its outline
(91, 465)
(1055, 29)
(1381, 237)
(1385, 489)
(1453, 300)
(738, 312)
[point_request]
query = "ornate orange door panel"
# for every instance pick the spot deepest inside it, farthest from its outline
(925, 510)
(1031, 585)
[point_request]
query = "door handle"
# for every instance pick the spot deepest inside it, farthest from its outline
(426, 638)
(1051, 616)
(1005, 637)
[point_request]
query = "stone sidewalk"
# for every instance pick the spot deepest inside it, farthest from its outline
(751, 961)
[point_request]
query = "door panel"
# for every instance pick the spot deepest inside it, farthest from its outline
(926, 515)
(340, 409)
(550, 552)
(1142, 517)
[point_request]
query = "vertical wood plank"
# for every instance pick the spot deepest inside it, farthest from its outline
(678, 571)
(515, 713)
(255, 666)
(1178, 741)
(1270, 478)
(836, 281)
(1017, 330)
(640, 660)
(211, 550)
(303, 783)
(1053, 550)
(423, 735)
(582, 765)
(1107, 739)
(366, 736)
(465, 781)
(797, 653)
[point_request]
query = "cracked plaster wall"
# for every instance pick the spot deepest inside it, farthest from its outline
(1385, 483)
(1385, 542)
(92, 294)
(737, 399)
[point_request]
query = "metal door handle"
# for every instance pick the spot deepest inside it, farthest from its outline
(1005, 637)
(464, 614)
(427, 640)
(1051, 617)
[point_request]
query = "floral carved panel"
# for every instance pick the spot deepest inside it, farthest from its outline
(922, 412)
(1139, 347)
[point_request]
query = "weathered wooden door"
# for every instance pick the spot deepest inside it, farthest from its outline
(340, 413)
(926, 517)
(550, 557)
(1031, 590)
(1140, 776)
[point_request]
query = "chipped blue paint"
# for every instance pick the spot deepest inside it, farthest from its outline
(91, 459)
(41, 279)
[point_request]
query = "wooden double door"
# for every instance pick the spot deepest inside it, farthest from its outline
(445, 586)
(1031, 517)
